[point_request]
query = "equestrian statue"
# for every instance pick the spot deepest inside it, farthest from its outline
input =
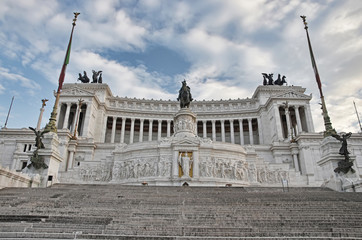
(184, 95)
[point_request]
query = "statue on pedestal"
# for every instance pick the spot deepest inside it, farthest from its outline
(344, 165)
(36, 161)
(184, 95)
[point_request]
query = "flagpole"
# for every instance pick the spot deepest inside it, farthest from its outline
(51, 126)
(7, 117)
(357, 116)
(329, 130)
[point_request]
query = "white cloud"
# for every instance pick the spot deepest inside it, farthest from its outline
(129, 81)
(2, 89)
(227, 45)
(24, 82)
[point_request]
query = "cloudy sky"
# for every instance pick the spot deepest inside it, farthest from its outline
(145, 48)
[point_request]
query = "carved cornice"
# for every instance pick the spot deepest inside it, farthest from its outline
(90, 87)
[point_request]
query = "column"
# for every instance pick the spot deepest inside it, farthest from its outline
(261, 141)
(297, 116)
(113, 129)
(150, 130)
(159, 130)
(287, 116)
(251, 137)
(66, 117)
(123, 129)
(168, 128)
(213, 130)
(308, 119)
(70, 160)
(175, 165)
(241, 131)
(278, 123)
(141, 130)
(40, 118)
(296, 164)
(75, 118)
(204, 129)
(196, 129)
(131, 135)
(222, 130)
(86, 120)
(232, 131)
(104, 129)
(195, 167)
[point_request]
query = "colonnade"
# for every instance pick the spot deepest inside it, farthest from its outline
(131, 130)
(292, 120)
(66, 117)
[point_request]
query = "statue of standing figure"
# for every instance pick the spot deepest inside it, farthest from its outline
(184, 95)
(37, 161)
(344, 165)
(185, 163)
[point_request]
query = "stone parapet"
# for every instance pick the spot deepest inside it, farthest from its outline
(9, 178)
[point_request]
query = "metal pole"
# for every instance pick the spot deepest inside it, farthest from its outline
(357, 116)
(51, 126)
(329, 130)
(11, 104)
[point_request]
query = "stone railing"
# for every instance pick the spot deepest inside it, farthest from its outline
(9, 178)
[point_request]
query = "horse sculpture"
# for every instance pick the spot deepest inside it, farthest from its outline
(84, 78)
(268, 79)
(184, 95)
(279, 81)
(95, 76)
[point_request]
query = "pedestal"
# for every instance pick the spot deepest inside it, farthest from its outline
(329, 161)
(51, 157)
(185, 123)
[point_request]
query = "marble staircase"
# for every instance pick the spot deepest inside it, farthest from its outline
(67, 211)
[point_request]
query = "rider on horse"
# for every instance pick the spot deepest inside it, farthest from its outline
(184, 95)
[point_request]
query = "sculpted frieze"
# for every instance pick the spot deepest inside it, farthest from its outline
(99, 173)
(235, 169)
(142, 167)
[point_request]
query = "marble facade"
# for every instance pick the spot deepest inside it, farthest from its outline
(264, 140)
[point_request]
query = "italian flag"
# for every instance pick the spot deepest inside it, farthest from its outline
(66, 62)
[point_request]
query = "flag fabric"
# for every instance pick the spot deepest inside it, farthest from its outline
(314, 66)
(66, 62)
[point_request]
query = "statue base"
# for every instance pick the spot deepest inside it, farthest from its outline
(329, 162)
(185, 123)
(51, 157)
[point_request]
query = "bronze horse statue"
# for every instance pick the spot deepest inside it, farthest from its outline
(184, 95)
